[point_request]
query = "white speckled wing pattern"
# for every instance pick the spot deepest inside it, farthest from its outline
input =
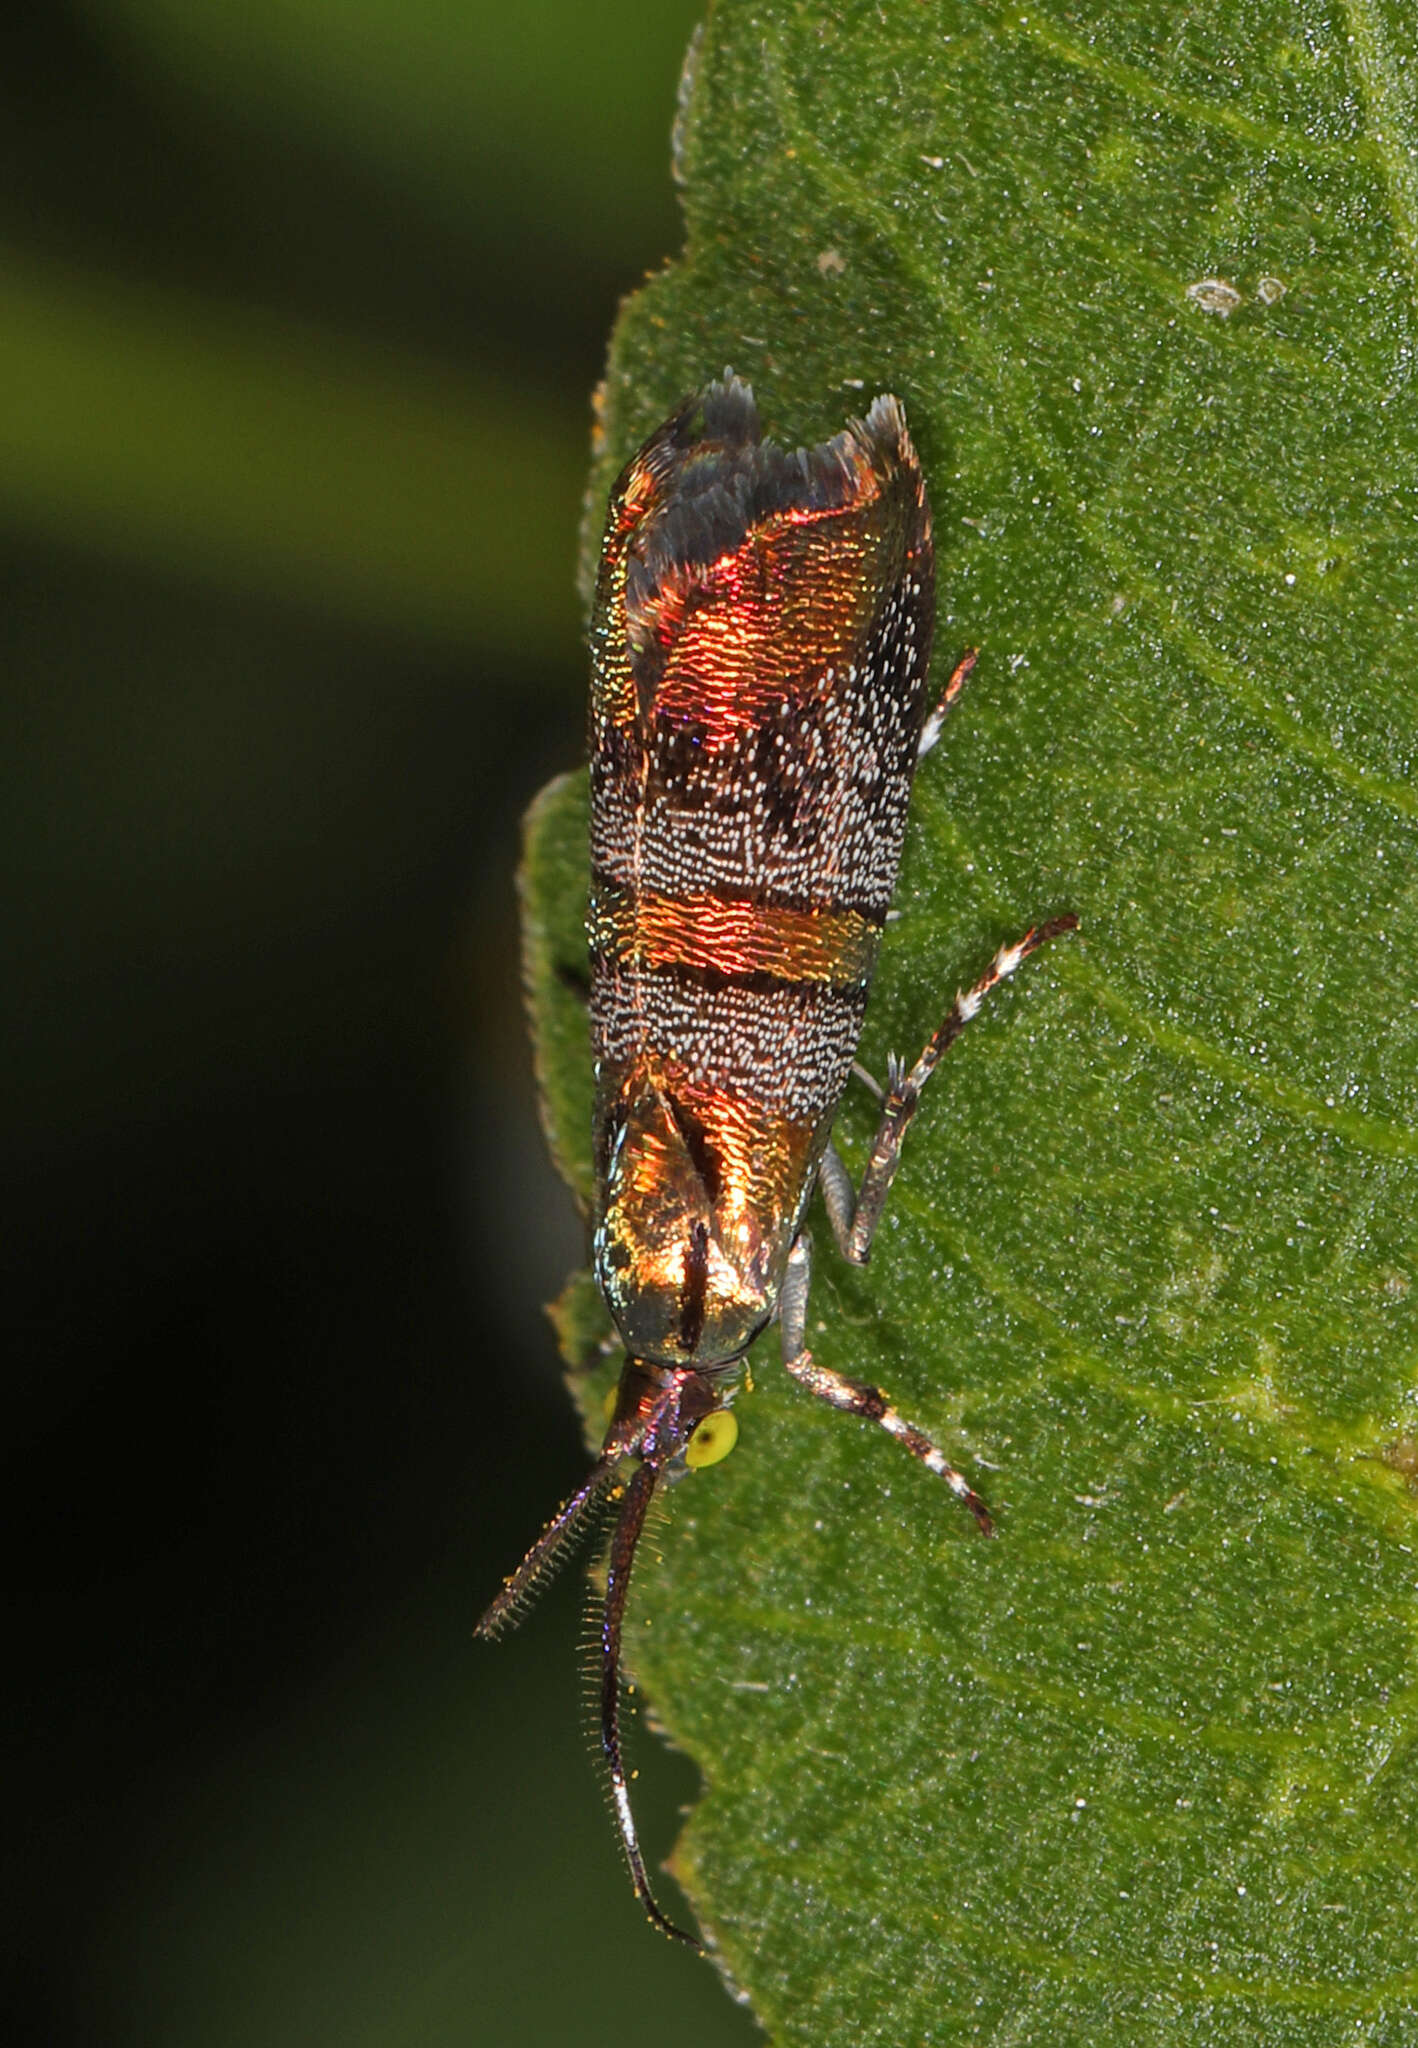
(761, 648)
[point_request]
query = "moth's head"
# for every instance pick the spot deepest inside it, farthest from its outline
(673, 1416)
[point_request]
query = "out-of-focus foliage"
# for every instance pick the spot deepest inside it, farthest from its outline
(546, 117)
(300, 318)
(308, 467)
(407, 486)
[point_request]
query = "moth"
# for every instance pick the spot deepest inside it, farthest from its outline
(760, 654)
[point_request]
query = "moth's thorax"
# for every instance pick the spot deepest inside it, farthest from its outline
(697, 1207)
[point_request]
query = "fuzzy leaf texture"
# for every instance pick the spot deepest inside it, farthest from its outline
(1144, 1770)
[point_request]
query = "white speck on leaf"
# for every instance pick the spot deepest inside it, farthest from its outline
(1214, 295)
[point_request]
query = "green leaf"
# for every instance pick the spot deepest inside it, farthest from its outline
(1145, 1769)
(553, 885)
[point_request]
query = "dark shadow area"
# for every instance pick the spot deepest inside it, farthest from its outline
(283, 1402)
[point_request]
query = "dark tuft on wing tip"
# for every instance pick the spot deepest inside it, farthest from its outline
(729, 413)
(719, 478)
(884, 429)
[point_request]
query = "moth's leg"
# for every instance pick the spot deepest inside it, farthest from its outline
(903, 1095)
(857, 1397)
(930, 731)
(839, 1198)
(792, 1302)
(869, 1080)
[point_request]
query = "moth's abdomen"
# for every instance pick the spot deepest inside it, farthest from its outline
(760, 646)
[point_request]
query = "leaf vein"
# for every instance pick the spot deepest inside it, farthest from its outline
(1136, 84)
(1391, 124)
(1274, 1091)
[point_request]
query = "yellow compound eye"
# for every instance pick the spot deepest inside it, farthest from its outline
(714, 1439)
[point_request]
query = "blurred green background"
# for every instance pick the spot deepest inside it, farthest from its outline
(301, 307)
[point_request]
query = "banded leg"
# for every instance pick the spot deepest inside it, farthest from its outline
(930, 731)
(858, 1397)
(854, 1223)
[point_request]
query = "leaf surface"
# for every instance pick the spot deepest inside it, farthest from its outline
(1145, 1769)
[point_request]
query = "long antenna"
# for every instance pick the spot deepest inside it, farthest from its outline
(546, 1553)
(629, 1524)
